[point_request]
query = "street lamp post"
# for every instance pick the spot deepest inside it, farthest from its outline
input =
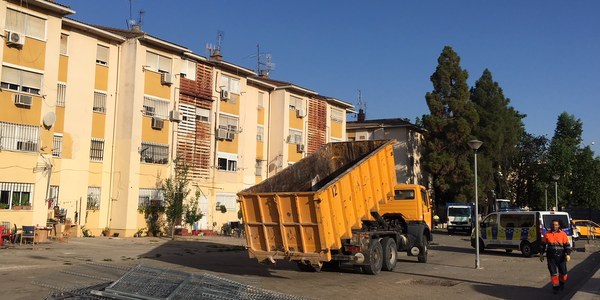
(556, 177)
(546, 195)
(475, 144)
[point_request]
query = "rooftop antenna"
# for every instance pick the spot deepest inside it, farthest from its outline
(141, 17)
(267, 64)
(220, 38)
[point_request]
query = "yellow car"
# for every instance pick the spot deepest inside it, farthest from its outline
(583, 226)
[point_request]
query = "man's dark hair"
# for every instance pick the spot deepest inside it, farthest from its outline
(557, 221)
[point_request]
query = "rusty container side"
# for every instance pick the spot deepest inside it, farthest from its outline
(303, 212)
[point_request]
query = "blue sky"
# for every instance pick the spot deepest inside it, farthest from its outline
(544, 54)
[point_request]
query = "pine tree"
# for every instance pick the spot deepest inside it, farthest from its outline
(500, 128)
(452, 116)
(527, 180)
(561, 157)
(585, 181)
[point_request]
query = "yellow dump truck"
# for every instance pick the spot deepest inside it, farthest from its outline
(340, 204)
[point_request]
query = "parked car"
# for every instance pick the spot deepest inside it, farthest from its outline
(585, 226)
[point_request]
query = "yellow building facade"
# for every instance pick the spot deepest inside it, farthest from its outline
(92, 119)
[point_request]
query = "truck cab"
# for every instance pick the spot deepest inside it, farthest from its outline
(412, 202)
(461, 217)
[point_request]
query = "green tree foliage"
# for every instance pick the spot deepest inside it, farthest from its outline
(527, 180)
(192, 213)
(562, 154)
(585, 181)
(176, 190)
(449, 127)
(500, 128)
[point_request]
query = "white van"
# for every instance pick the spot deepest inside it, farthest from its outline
(519, 230)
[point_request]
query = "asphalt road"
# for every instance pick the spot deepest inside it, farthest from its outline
(33, 272)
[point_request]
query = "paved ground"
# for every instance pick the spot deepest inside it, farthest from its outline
(32, 273)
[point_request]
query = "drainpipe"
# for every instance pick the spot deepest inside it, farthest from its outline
(112, 155)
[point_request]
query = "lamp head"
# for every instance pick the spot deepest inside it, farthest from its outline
(475, 144)
(555, 177)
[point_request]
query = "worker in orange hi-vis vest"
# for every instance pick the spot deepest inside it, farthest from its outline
(555, 244)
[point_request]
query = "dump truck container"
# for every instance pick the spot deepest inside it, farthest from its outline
(304, 212)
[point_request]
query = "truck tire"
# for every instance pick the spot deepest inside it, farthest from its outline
(307, 267)
(390, 254)
(375, 258)
(422, 257)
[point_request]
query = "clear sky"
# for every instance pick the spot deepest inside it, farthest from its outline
(544, 54)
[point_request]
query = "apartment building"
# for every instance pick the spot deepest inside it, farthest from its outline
(92, 119)
(407, 150)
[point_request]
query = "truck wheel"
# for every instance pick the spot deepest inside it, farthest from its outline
(450, 231)
(390, 254)
(526, 249)
(422, 257)
(375, 259)
(307, 267)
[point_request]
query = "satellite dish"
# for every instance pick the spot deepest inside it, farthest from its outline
(49, 119)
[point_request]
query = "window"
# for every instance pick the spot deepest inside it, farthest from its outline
(154, 153)
(64, 42)
(228, 122)
(154, 107)
(490, 221)
(188, 69)
(61, 94)
(151, 196)
(227, 161)
(260, 133)
(404, 194)
(15, 194)
(21, 80)
(158, 63)
(19, 137)
(424, 197)
(99, 102)
(57, 145)
(296, 103)
(53, 196)
(229, 200)
(102, 55)
(295, 137)
(261, 100)
(337, 115)
(97, 150)
(202, 114)
(516, 220)
(259, 167)
(27, 24)
(93, 198)
(230, 84)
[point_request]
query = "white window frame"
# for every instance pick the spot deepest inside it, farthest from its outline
(230, 160)
(61, 94)
(9, 190)
(155, 107)
(261, 100)
(296, 103)
(94, 197)
(188, 69)
(149, 194)
(260, 133)
(337, 115)
(99, 105)
(154, 61)
(53, 195)
(229, 200)
(21, 86)
(64, 51)
(57, 145)
(230, 84)
(229, 122)
(204, 115)
(295, 136)
(25, 26)
(102, 60)
(19, 137)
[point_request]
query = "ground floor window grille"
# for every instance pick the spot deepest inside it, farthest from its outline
(93, 198)
(154, 153)
(19, 137)
(14, 195)
(151, 197)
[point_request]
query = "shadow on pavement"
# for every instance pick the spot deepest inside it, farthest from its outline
(214, 257)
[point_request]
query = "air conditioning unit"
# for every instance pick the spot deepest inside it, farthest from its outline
(301, 113)
(23, 100)
(230, 136)
(232, 128)
(225, 95)
(300, 148)
(157, 123)
(166, 79)
(15, 39)
(175, 116)
(221, 133)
